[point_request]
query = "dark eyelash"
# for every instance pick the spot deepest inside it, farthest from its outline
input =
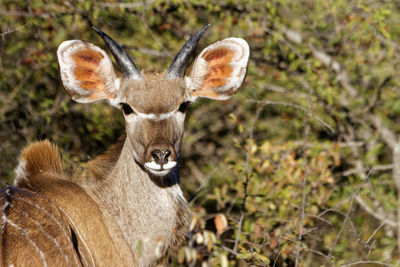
(126, 108)
(182, 108)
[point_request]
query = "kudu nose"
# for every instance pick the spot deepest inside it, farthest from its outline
(160, 156)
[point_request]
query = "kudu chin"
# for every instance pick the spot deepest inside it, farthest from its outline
(127, 208)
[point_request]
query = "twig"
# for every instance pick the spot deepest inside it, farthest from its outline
(343, 225)
(279, 254)
(144, 20)
(381, 217)
(229, 250)
(380, 168)
(372, 170)
(305, 111)
(387, 135)
(319, 218)
(378, 93)
(3, 34)
(303, 188)
(24, 14)
(338, 144)
(126, 5)
(245, 183)
(374, 233)
(366, 262)
(203, 183)
(361, 170)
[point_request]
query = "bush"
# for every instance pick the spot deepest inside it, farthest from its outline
(302, 166)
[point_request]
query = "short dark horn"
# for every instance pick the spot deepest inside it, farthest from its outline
(181, 61)
(126, 64)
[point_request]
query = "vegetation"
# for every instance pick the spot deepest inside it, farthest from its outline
(301, 167)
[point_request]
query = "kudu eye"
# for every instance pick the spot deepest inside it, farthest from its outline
(126, 108)
(182, 108)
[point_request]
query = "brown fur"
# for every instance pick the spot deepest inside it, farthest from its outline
(35, 225)
(101, 166)
(44, 178)
(40, 157)
(155, 94)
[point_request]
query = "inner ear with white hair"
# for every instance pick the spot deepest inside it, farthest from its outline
(86, 72)
(219, 70)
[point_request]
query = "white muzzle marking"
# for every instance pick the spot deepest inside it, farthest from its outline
(159, 170)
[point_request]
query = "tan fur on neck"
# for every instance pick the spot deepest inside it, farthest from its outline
(126, 194)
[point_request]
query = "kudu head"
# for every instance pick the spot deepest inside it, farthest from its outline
(153, 104)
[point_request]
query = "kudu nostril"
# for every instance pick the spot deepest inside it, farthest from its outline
(161, 156)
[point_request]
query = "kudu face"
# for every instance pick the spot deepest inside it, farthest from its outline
(154, 113)
(154, 104)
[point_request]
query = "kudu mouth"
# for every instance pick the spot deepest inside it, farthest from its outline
(160, 170)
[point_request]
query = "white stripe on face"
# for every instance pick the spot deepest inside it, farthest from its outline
(155, 117)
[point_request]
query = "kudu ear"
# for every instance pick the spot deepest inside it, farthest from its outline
(86, 72)
(219, 70)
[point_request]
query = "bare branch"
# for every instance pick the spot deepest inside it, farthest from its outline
(204, 181)
(247, 177)
(387, 135)
(25, 14)
(382, 217)
(378, 92)
(126, 5)
(145, 23)
(8, 31)
(325, 59)
(343, 225)
(293, 36)
(275, 88)
(362, 171)
(304, 196)
(305, 111)
(338, 144)
(366, 262)
(374, 233)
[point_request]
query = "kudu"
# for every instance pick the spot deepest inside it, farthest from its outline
(127, 207)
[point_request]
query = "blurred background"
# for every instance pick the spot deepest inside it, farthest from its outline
(300, 168)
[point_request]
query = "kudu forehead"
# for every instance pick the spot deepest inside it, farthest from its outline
(154, 94)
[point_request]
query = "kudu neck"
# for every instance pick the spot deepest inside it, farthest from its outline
(144, 207)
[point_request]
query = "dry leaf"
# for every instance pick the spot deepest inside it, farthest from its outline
(221, 223)
(195, 222)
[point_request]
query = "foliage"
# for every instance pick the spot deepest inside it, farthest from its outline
(301, 167)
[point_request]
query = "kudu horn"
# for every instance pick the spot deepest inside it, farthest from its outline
(126, 64)
(181, 61)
